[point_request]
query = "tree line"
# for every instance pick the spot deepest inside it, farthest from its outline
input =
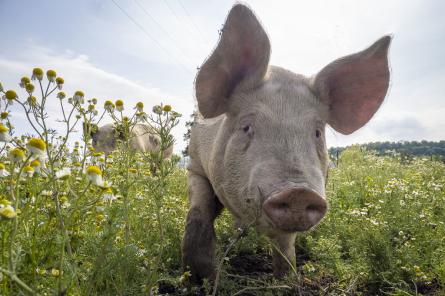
(405, 149)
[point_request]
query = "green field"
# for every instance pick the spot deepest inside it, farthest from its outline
(65, 233)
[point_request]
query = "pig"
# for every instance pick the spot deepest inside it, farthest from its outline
(260, 149)
(143, 139)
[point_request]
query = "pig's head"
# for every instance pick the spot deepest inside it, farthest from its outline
(104, 138)
(275, 155)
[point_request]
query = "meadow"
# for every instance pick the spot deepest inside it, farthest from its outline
(74, 221)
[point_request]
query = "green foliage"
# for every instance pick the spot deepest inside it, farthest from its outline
(120, 234)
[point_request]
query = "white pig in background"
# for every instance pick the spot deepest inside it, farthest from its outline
(260, 150)
(142, 139)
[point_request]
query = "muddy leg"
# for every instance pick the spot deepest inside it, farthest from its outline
(284, 257)
(198, 244)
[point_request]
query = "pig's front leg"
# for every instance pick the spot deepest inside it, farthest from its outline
(198, 244)
(283, 253)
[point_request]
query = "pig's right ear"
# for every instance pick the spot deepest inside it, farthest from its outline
(239, 61)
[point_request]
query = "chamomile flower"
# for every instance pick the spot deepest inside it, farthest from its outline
(36, 165)
(109, 106)
(78, 97)
(17, 154)
(119, 105)
(30, 88)
(3, 171)
(29, 170)
(10, 96)
(24, 81)
(108, 195)
(8, 212)
(32, 101)
(4, 134)
(36, 146)
(94, 175)
(140, 106)
(60, 82)
(37, 73)
(51, 75)
(167, 108)
(61, 95)
(133, 172)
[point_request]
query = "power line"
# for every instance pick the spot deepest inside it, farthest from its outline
(177, 16)
(158, 24)
(191, 19)
(147, 34)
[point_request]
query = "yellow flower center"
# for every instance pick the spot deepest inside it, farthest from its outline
(11, 95)
(51, 73)
(2, 166)
(3, 129)
(17, 152)
(94, 170)
(29, 87)
(119, 103)
(79, 93)
(28, 169)
(4, 115)
(37, 72)
(37, 143)
(167, 108)
(132, 171)
(4, 202)
(25, 80)
(140, 105)
(59, 80)
(35, 163)
(8, 212)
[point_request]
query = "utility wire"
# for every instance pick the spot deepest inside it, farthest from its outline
(191, 19)
(158, 24)
(177, 17)
(147, 34)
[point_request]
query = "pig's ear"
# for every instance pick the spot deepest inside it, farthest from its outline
(239, 61)
(355, 86)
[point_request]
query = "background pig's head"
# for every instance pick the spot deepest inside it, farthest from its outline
(275, 156)
(105, 138)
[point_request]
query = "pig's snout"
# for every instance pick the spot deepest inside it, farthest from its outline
(295, 209)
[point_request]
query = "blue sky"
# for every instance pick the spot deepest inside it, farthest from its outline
(98, 48)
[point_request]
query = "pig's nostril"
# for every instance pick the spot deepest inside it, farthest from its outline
(282, 206)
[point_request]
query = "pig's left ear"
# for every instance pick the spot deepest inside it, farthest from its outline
(354, 86)
(239, 61)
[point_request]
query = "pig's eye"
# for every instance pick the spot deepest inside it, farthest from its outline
(247, 129)
(318, 133)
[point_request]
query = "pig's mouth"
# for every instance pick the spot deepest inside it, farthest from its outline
(295, 209)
